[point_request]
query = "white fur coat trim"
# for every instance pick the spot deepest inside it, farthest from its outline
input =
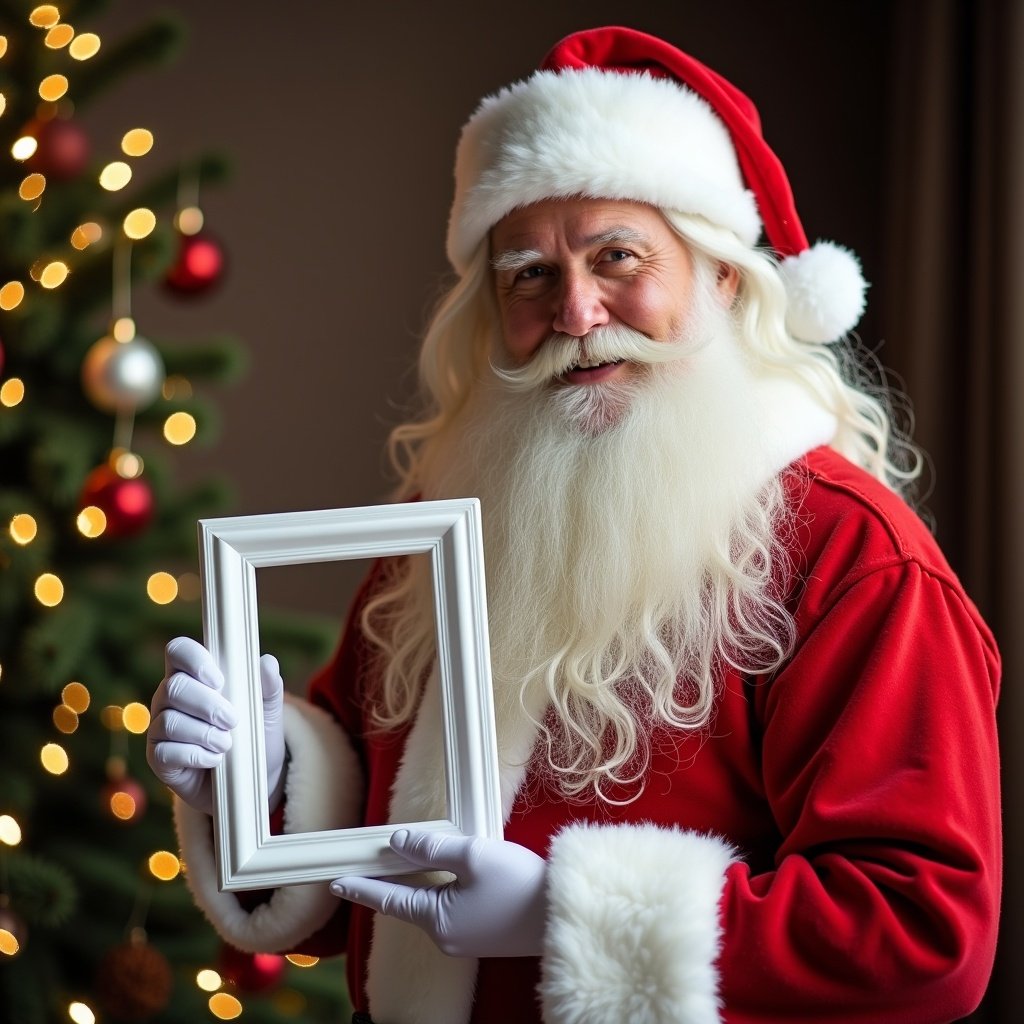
(591, 132)
(323, 790)
(633, 926)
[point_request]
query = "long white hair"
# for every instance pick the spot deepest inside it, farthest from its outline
(603, 634)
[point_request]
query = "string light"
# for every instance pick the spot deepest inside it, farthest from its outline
(11, 295)
(24, 147)
(10, 830)
(209, 980)
(137, 142)
(301, 960)
(189, 221)
(112, 718)
(123, 329)
(65, 720)
(54, 758)
(76, 696)
(224, 1006)
(81, 1013)
(12, 391)
(139, 223)
(53, 87)
(180, 428)
(162, 588)
(9, 944)
(44, 16)
(3, 98)
(122, 805)
(54, 274)
(3, 45)
(91, 521)
(136, 718)
(86, 234)
(115, 176)
(127, 465)
(85, 46)
(164, 866)
(23, 529)
(49, 590)
(59, 36)
(32, 187)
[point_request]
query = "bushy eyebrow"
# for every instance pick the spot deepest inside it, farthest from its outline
(512, 260)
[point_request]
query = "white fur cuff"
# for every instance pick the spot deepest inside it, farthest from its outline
(323, 790)
(633, 930)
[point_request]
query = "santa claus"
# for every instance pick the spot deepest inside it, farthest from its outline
(745, 711)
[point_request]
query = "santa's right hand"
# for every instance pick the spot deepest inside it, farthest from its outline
(191, 723)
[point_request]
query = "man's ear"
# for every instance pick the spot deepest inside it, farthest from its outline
(726, 283)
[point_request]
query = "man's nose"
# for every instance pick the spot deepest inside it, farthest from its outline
(580, 305)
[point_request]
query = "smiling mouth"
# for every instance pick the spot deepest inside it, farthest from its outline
(587, 371)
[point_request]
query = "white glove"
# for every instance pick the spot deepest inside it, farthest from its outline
(496, 906)
(192, 721)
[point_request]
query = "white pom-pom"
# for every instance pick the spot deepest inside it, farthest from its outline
(826, 292)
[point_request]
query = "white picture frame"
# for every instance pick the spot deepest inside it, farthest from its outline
(231, 549)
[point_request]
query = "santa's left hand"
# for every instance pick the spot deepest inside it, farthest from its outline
(495, 907)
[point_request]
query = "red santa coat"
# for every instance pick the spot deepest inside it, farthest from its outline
(829, 850)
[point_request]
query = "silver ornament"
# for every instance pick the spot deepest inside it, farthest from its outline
(122, 375)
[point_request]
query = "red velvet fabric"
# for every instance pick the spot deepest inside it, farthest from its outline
(860, 784)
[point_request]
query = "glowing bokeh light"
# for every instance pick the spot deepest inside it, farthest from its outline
(123, 329)
(225, 1007)
(128, 465)
(180, 428)
(9, 944)
(139, 223)
(65, 719)
(165, 866)
(136, 717)
(81, 1013)
(122, 805)
(54, 274)
(12, 392)
(162, 588)
(10, 830)
(49, 590)
(32, 187)
(54, 758)
(11, 295)
(44, 16)
(85, 46)
(301, 960)
(91, 521)
(115, 175)
(112, 717)
(53, 87)
(189, 221)
(137, 142)
(86, 234)
(59, 35)
(23, 528)
(76, 696)
(24, 147)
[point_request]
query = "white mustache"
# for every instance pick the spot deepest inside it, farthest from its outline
(560, 353)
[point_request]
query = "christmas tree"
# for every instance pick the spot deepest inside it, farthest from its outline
(98, 550)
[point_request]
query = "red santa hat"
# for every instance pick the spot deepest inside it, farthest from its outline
(614, 113)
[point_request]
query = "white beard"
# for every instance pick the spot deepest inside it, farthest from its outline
(630, 536)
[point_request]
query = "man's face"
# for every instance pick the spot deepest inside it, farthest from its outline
(568, 266)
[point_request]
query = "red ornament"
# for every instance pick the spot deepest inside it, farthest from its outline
(123, 800)
(199, 266)
(62, 149)
(251, 972)
(127, 504)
